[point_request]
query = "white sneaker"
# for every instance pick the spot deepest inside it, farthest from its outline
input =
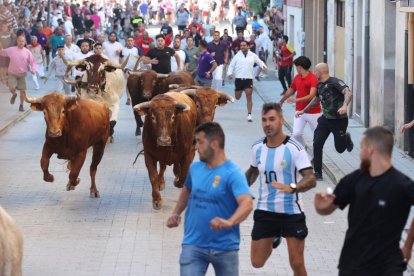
(249, 118)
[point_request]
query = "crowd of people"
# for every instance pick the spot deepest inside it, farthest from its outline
(29, 44)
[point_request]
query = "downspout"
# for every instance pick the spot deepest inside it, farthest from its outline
(349, 50)
(366, 66)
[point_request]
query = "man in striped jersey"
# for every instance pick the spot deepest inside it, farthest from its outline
(276, 159)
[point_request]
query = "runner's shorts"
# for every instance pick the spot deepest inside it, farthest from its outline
(270, 224)
(242, 84)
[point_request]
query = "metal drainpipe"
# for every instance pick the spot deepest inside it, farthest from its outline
(366, 66)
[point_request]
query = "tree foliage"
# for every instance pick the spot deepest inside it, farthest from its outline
(258, 6)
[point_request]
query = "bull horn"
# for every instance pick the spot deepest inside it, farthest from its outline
(162, 76)
(173, 86)
(226, 96)
(117, 65)
(70, 82)
(141, 106)
(32, 100)
(71, 63)
(136, 64)
(189, 92)
(183, 106)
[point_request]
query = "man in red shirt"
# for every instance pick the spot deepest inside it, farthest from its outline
(145, 43)
(199, 27)
(235, 46)
(286, 63)
(305, 84)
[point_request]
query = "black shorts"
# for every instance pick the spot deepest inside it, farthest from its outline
(269, 224)
(181, 27)
(242, 84)
(47, 50)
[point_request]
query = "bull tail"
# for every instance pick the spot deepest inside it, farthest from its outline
(139, 153)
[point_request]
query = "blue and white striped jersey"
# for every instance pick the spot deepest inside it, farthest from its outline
(279, 164)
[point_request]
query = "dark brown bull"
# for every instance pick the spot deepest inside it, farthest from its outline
(206, 99)
(143, 85)
(73, 125)
(168, 138)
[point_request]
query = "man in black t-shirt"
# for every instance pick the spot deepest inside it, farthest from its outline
(334, 96)
(160, 57)
(379, 198)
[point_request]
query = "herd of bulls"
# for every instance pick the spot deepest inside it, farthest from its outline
(172, 104)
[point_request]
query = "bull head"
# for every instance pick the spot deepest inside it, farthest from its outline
(54, 106)
(148, 81)
(162, 118)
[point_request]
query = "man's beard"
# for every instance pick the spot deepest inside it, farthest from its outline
(365, 165)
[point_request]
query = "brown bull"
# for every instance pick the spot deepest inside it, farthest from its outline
(73, 125)
(145, 84)
(206, 99)
(168, 138)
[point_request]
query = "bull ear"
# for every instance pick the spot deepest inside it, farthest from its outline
(110, 68)
(36, 107)
(81, 67)
(142, 108)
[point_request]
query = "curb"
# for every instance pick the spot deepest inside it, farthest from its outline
(15, 119)
(331, 170)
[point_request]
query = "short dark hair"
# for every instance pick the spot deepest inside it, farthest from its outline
(244, 41)
(303, 62)
(97, 44)
(203, 43)
(272, 106)
(285, 38)
(213, 131)
(381, 137)
(159, 35)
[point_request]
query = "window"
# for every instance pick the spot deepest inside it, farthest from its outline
(340, 13)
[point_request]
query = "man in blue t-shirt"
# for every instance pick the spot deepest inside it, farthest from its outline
(206, 66)
(218, 199)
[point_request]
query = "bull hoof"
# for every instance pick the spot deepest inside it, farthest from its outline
(178, 183)
(138, 131)
(110, 139)
(157, 205)
(70, 187)
(162, 185)
(94, 194)
(49, 178)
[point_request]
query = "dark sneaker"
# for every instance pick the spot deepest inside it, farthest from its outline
(283, 93)
(318, 176)
(21, 108)
(350, 146)
(276, 241)
(257, 78)
(13, 98)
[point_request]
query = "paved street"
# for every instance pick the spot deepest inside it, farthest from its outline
(68, 233)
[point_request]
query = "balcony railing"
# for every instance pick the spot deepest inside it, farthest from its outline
(406, 3)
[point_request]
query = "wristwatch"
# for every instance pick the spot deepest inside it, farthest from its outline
(293, 186)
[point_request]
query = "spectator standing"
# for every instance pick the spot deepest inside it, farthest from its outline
(206, 65)
(304, 85)
(335, 97)
(379, 199)
(112, 48)
(213, 213)
(193, 55)
(220, 53)
(60, 69)
(242, 68)
(262, 45)
(39, 57)
(20, 61)
(277, 158)
(287, 52)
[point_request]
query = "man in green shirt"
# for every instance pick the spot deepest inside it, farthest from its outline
(193, 55)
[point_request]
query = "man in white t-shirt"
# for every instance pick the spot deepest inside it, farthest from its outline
(183, 56)
(71, 50)
(69, 29)
(112, 48)
(132, 52)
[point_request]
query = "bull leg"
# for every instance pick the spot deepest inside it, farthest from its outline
(177, 172)
(98, 151)
(161, 179)
(114, 107)
(185, 166)
(76, 165)
(111, 131)
(153, 175)
(44, 164)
